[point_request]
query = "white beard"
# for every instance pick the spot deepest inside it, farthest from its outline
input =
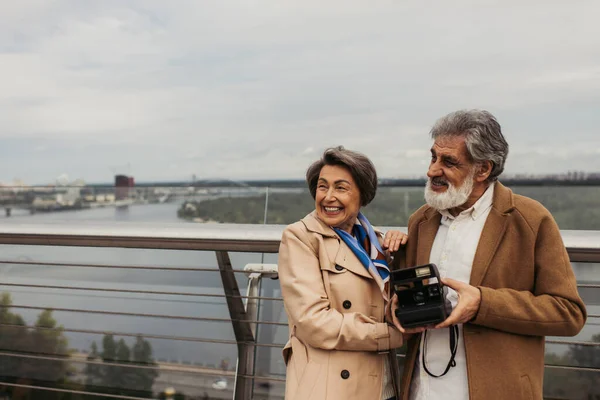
(452, 197)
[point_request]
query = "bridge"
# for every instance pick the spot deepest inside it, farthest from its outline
(197, 294)
(15, 199)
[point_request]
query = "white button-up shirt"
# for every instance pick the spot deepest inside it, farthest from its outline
(453, 252)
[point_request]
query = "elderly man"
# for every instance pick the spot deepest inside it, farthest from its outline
(503, 258)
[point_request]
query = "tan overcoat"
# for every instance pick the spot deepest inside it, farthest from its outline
(528, 291)
(338, 338)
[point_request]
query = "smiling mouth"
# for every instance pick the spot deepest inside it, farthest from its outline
(332, 210)
(438, 183)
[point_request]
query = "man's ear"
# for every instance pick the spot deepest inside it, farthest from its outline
(483, 171)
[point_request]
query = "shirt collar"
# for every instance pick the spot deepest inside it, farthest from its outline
(477, 209)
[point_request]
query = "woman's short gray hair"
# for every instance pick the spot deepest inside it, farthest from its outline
(360, 167)
(483, 137)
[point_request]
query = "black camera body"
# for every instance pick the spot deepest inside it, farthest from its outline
(421, 296)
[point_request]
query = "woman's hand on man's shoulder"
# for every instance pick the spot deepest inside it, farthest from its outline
(393, 240)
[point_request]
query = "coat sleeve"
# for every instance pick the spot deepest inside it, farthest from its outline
(308, 307)
(553, 308)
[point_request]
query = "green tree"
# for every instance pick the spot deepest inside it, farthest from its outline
(93, 372)
(573, 207)
(111, 378)
(587, 381)
(574, 384)
(109, 348)
(142, 355)
(13, 338)
(123, 378)
(46, 337)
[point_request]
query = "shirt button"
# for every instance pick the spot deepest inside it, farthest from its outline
(346, 304)
(339, 268)
(345, 374)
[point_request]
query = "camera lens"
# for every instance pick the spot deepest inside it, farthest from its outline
(433, 291)
(419, 297)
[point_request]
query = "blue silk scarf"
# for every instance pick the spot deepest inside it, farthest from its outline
(364, 243)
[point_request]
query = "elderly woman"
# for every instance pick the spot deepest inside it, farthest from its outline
(333, 270)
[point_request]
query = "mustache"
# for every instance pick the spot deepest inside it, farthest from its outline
(438, 181)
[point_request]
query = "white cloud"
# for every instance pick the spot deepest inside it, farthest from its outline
(260, 88)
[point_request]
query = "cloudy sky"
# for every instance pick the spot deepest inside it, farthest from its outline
(257, 89)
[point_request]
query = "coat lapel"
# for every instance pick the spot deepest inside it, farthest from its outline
(492, 234)
(336, 249)
(427, 230)
(347, 259)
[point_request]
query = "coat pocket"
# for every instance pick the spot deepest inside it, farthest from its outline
(526, 389)
(299, 357)
(306, 372)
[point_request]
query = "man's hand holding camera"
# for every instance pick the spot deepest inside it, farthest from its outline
(469, 299)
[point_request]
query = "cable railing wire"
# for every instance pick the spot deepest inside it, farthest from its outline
(72, 391)
(186, 369)
(156, 268)
(135, 291)
(139, 267)
(157, 292)
(191, 369)
(573, 368)
(589, 285)
(143, 315)
(574, 342)
(144, 335)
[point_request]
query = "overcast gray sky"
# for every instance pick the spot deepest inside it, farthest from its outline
(257, 89)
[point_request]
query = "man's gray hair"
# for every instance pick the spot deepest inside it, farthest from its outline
(360, 167)
(483, 137)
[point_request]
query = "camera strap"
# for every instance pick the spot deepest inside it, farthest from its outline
(453, 332)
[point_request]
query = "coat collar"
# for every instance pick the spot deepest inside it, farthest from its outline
(504, 201)
(493, 231)
(339, 253)
(315, 225)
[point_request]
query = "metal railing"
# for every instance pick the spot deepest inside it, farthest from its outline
(222, 239)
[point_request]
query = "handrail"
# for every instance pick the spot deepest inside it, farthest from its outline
(174, 236)
(582, 246)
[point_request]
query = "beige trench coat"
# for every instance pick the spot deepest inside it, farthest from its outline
(338, 338)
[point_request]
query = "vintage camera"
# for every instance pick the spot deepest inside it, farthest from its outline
(421, 296)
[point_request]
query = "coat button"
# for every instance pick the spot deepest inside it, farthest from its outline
(345, 374)
(346, 304)
(339, 267)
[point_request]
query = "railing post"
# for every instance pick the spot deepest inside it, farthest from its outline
(241, 328)
(256, 272)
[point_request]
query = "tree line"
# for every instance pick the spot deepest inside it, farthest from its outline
(573, 207)
(39, 355)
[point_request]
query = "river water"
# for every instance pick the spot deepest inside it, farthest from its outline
(114, 278)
